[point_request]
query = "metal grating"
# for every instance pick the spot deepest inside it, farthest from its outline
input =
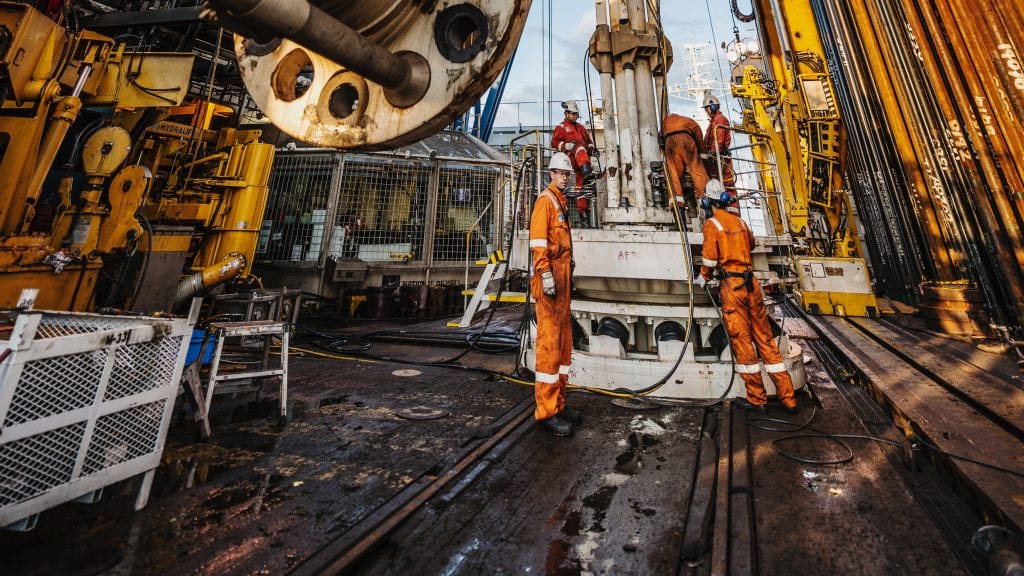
(124, 436)
(33, 465)
(385, 208)
(141, 367)
(56, 385)
(465, 212)
(54, 326)
(381, 210)
(297, 207)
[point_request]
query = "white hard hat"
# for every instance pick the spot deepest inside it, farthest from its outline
(711, 100)
(559, 161)
(714, 188)
(570, 106)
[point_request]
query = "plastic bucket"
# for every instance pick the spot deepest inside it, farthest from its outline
(198, 335)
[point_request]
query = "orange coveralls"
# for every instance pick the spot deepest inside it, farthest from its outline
(727, 244)
(551, 249)
(576, 133)
(717, 140)
(683, 145)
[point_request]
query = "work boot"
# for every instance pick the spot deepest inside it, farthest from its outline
(557, 426)
(747, 406)
(588, 174)
(572, 416)
(793, 408)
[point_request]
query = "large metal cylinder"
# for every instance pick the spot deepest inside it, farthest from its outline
(369, 74)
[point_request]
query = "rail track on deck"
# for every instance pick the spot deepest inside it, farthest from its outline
(344, 552)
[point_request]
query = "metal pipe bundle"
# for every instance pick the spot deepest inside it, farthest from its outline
(933, 91)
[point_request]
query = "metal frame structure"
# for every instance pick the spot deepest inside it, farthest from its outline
(85, 401)
(415, 213)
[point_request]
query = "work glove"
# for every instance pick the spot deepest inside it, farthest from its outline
(547, 282)
(592, 149)
(569, 146)
(700, 281)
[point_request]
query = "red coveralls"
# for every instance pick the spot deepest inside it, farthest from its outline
(551, 249)
(574, 132)
(683, 143)
(727, 243)
(718, 139)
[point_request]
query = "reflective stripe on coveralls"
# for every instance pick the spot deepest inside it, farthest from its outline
(575, 133)
(682, 151)
(554, 328)
(728, 242)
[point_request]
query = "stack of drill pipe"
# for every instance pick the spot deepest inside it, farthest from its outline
(933, 94)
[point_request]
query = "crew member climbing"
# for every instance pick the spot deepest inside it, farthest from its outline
(683, 147)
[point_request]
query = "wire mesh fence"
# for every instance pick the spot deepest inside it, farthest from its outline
(300, 184)
(466, 211)
(381, 210)
(384, 209)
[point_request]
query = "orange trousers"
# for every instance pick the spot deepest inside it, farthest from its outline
(554, 340)
(746, 321)
(580, 156)
(681, 153)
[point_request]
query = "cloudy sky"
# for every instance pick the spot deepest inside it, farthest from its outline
(685, 22)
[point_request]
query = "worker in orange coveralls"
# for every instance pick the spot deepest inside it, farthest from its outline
(727, 245)
(683, 146)
(572, 138)
(717, 141)
(550, 285)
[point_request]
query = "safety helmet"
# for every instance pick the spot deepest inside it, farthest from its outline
(715, 195)
(559, 161)
(570, 106)
(711, 101)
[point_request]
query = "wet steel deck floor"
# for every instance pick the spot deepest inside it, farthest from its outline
(258, 500)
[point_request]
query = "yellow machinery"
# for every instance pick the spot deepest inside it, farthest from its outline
(206, 219)
(179, 189)
(790, 112)
(48, 75)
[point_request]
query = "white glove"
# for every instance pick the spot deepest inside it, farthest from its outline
(547, 282)
(700, 281)
(569, 146)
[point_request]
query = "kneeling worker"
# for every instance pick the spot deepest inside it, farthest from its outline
(550, 285)
(727, 245)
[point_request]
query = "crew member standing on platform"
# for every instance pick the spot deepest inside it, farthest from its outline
(572, 138)
(550, 285)
(683, 146)
(727, 245)
(717, 141)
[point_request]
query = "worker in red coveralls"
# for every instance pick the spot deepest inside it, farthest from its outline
(551, 287)
(717, 141)
(683, 145)
(571, 138)
(728, 242)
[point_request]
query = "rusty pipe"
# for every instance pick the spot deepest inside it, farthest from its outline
(886, 88)
(200, 280)
(405, 76)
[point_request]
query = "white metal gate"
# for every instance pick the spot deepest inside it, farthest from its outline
(85, 401)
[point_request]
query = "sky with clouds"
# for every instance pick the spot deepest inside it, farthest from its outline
(685, 22)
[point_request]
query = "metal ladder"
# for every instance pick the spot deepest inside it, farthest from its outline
(480, 298)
